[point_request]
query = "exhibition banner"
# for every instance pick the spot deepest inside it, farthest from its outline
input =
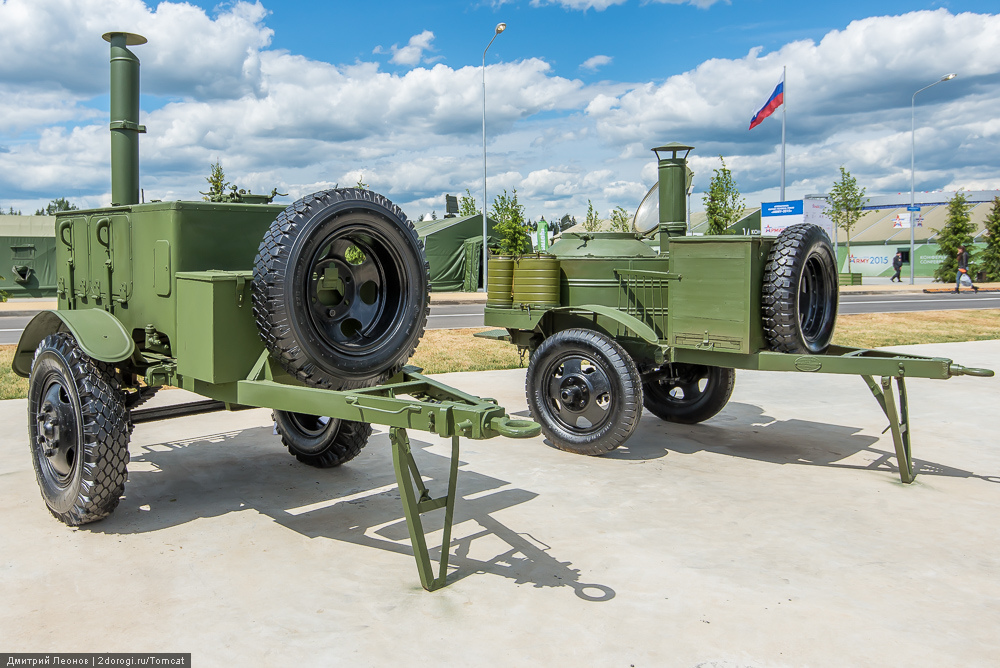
(776, 216)
(814, 211)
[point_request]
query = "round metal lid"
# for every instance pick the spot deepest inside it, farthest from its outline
(131, 38)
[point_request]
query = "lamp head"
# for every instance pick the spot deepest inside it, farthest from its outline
(948, 77)
(503, 26)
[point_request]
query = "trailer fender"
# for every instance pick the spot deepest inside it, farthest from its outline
(98, 333)
(630, 322)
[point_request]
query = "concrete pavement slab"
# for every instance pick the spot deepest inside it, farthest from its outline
(775, 534)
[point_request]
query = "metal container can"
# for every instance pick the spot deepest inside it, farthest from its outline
(536, 280)
(500, 282)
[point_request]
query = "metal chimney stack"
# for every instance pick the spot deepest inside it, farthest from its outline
(674, 179)
(125, 126)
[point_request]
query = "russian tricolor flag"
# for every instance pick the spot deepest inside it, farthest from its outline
(776, 100)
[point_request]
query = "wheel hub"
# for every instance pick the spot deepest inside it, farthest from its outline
(682, 384)
(56, 430)
(575, 393)
(353, 301)
(580, 392)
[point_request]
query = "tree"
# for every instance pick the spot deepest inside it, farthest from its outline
(10, 212)
(55, 206)
(990, 260)
(957, 231)
(620, 220)
(217, 183)
(723, 204)
(845, 201)
(467, 204)
(3, 295)
(509, 217)
(592, 222)
(566, 222)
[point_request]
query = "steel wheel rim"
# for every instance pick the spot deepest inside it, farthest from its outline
(58, 437)
(312, 427)
(687, 388)
(578, 389)
(355, 307)
(814, 310)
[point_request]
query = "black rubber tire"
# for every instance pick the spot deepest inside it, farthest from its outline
(687, 393)
(585, 391)
(800, 291)
(321, 441)
(329, 321)
(78, 429)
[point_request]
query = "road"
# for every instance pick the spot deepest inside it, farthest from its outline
(904, 303)
(453, 316)
(471, 315)
(10, 328)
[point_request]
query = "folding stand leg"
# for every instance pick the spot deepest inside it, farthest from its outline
(410, 484)
(899, 423)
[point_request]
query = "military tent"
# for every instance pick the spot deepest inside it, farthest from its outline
(28, 256)
(454, 248)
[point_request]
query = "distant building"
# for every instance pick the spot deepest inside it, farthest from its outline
(884, 228)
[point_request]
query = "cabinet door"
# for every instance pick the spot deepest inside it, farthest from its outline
(110, 259)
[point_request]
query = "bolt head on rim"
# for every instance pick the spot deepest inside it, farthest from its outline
(56, 431)
(579, 392)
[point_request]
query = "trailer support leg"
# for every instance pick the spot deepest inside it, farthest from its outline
(417, 500)
(899, 423)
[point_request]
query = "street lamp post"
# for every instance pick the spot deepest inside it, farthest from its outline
(913, 152)
(499, 29)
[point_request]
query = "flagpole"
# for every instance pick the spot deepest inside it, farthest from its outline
(784, 106)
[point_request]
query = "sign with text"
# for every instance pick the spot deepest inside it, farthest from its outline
(776, 216)
(814, 211)
(904, 220)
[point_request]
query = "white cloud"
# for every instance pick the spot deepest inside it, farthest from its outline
(46, 42)
(582, 5)
(701, 4)
(279, 119)
(413, 52)
(595, 62)
(848, 101)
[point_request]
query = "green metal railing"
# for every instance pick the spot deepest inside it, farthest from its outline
(643, 295)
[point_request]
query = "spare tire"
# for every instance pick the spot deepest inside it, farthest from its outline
(340, 288)
(800, 291)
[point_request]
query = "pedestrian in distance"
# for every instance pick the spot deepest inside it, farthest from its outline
(897, 265)
(963, 269)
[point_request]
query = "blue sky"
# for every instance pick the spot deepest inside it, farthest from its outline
(306, 95)
(646, 41)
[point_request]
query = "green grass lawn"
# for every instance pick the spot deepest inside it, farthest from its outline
(446, 350)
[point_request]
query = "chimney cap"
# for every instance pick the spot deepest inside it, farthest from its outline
(131, 38)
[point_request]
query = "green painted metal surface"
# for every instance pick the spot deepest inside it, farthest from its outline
(513, 318)
(715, 303)
(99, 334)
(697, 301)
(600, 245)
(125, 128)
(629, 323)
(217, 339)
(536, 281)
(673, 181)
(500, 282)
(162, 290)
(147, 246)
